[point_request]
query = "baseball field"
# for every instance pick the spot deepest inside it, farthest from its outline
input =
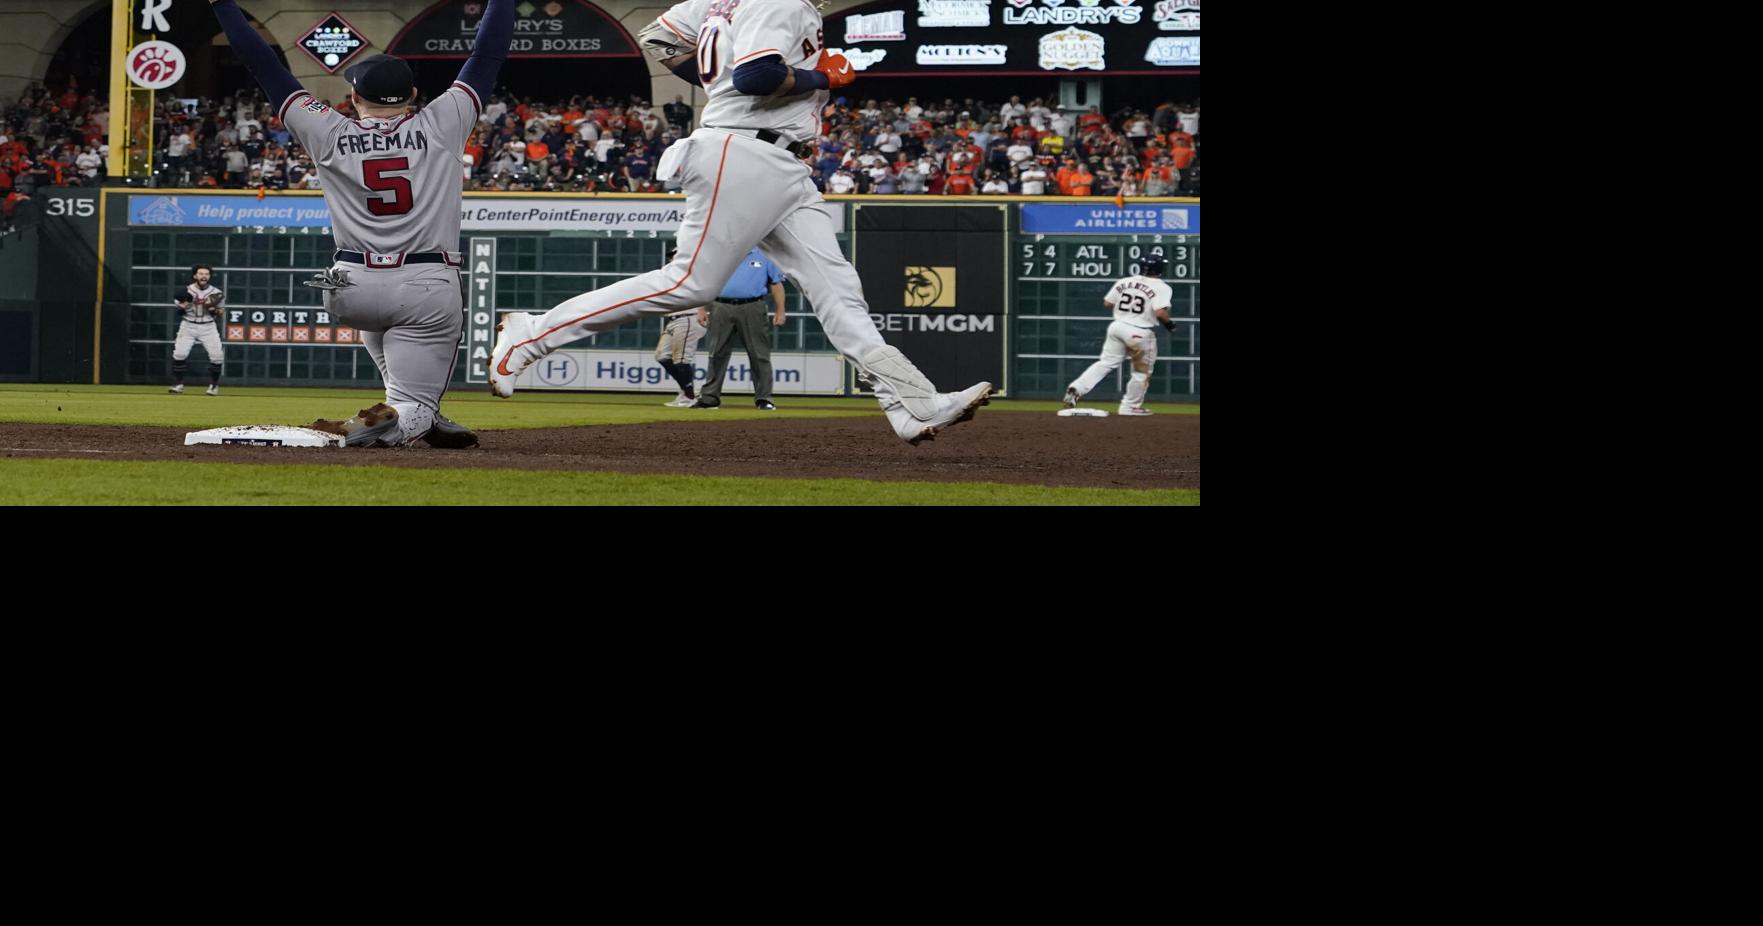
(124, 445)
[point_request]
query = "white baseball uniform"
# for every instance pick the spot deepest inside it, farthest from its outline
(393, 187)
(679, 338)
(1132, 335)
(197, 325)
(744, 187)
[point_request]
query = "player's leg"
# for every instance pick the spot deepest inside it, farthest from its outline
(420, 346)
(180, 355)
(720, 346)
(677, 363)
(750, 320)
(805, 246)
(209, 336)
(729, 204)
(1141, 349)
(1113, 353)
(375, 342)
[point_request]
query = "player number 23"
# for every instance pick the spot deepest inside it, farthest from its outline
(1132, 302)
(373, 174)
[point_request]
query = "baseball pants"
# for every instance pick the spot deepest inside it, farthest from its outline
(752, 320)
(679, 339)
(410, 318)
(1124, 342)
(740, 192)
(204, 333)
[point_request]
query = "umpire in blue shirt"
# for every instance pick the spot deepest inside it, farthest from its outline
(741, 308)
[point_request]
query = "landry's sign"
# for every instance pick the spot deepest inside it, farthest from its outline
(550, 29)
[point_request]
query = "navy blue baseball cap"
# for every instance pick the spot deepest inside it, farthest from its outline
(381, 79)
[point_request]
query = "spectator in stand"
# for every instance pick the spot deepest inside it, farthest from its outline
(959, 183)
(236, 166)
(679, 115)
(841, 182)
(636, 167)
(995, 184)
(1034, 179)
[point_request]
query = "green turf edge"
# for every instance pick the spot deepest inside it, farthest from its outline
(151, 406)
(102, 482)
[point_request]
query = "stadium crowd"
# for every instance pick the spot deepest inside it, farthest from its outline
(584, 144)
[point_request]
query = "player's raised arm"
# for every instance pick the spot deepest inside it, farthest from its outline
(494, 31)
(259, 58)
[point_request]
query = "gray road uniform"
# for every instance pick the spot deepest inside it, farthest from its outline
(393, 188)
(196, 325)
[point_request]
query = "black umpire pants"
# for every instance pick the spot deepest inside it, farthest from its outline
(752, 321)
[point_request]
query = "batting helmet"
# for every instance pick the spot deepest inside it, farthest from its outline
(1152, 266)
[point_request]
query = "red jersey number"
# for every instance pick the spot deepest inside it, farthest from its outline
(373, 176)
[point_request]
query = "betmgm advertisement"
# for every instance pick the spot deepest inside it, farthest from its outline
(934, 279)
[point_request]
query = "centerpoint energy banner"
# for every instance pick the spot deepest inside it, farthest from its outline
(899, 38)
(477, 214)
(548, 29)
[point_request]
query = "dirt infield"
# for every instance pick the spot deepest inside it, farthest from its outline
(1159, 452)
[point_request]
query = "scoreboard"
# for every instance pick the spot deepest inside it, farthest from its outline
(1088, 259)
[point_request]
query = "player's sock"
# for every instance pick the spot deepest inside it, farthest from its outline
(681, 374)
(179, 368)
(213, 373)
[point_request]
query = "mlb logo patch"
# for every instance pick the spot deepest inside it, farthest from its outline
(322, 334)
(384, 260)
(1175, 220)
(235, 332)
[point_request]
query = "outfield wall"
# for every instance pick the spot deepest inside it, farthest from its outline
(1001, 288)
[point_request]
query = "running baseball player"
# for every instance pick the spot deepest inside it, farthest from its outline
(678, 345)
(768, 75)
(198, 323)
(1135, 300)
(392, 181)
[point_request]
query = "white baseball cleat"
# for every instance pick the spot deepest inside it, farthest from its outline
(681, 401)
(1135, 412)
(214, 389)
(957, 407)
(1071, 397)
(509, 358)
(176, 390)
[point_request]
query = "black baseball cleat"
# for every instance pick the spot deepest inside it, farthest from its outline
(764, 405)
(447, 434)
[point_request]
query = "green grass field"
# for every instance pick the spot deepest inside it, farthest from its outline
(62, 481)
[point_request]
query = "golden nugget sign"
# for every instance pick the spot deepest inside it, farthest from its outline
(1087, 12)
(1072, 50)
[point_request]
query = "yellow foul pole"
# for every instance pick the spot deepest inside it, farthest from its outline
(119, 85)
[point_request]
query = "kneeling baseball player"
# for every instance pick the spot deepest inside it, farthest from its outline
(392, 181)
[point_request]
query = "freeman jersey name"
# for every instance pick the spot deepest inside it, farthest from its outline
(364, 142)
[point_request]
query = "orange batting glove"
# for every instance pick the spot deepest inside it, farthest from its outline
(838, 71)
